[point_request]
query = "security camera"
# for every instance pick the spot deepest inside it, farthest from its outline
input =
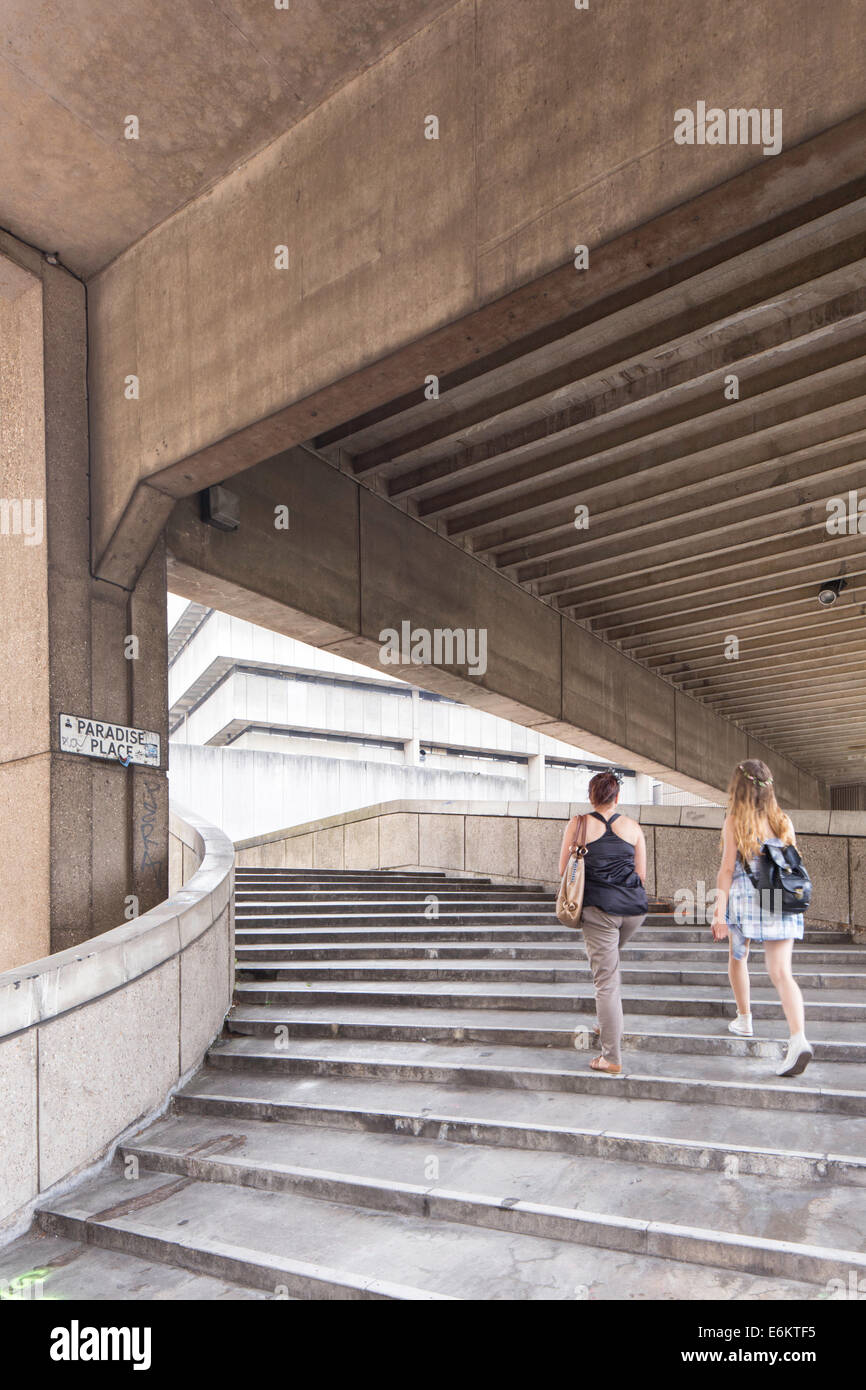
(830, 591)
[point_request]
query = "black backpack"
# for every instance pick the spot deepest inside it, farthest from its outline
(781, 880)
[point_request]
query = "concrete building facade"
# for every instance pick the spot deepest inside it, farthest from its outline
(266, 731)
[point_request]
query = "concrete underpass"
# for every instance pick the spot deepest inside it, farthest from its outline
(432, 335)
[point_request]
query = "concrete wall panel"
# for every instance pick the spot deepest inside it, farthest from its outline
(204, 967)
(328, 848)
(19, 1171)
(441, 842)
(538, 846)
(491, 845)
(362, 844)
(685, 859)
(398, 840)
(103, 1065)
(826, 858)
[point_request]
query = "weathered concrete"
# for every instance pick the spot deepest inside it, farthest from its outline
(352, 565)
(92, 834)
(93, 1039)
(406, 1111)
(221, 340)
(207, 97)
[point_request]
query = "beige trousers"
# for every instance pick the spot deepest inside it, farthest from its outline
(604, 934)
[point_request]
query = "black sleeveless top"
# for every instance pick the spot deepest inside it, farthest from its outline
(612, 882)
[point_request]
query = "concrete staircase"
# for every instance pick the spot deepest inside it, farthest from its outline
(400, 1107)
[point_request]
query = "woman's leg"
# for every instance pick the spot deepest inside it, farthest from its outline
(799, 1053)
(778, 955)
(738, 974)
(601, 934)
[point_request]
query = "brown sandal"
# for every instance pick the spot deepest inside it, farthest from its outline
(599, 1064)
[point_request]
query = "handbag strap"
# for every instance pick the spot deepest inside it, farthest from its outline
(579, 841)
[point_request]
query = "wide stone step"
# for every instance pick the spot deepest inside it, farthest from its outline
(342, 875)
(826, 1087)
(39, 1266)
(571, 1197)
(341, 907)
(420, 899)
(658, 930)
(282, 943)
(401, 917)
(791, 1144)
(836, 1042)
(313, 1248)
(663, 999)
(267, 962)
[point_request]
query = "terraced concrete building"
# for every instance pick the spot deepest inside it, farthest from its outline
(266, 731)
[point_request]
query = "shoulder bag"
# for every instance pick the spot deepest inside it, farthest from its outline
(569, 902)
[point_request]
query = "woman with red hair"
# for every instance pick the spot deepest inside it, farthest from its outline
(614, 905)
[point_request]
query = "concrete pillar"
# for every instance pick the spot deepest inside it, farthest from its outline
(643, 790)
(412, 746)
(535, 777)
(79, 837)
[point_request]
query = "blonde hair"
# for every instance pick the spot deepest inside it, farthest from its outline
(751, 800)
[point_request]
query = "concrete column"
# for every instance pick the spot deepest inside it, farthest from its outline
(412, 746)
(79, 837)
(535, 777)
(643, 790)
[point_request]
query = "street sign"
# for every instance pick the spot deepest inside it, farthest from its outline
(97, 738)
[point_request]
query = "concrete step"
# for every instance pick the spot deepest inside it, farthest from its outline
(40, 1267)
(670, 1000)
(836, 1042)
(317, 1249)
(281, 943)
(657, 933)
(422, 903)
(385, 926)
(788, 1144)
(400, 917)
(825, 1087)
(341, 905)
(475, 1183)
(344, 875)
(270, 962)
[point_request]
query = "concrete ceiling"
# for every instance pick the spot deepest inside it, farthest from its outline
(707, 515)
(211, 82)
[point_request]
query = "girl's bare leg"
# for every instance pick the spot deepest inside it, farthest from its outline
(778, 955)
(738, 974)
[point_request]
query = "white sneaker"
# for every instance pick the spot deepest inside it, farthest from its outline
(742, 1026)
(797, 1058)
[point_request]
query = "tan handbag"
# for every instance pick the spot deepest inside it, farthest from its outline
(569, 901)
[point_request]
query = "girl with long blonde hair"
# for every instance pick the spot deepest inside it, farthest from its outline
(754, 818)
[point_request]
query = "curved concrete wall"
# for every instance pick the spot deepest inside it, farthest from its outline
(94, 1039)
(519, 841)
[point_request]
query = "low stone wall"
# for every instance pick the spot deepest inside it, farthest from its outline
(519, 842)
(93, 1040)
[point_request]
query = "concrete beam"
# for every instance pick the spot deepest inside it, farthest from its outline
(353, 565)
(237, 360)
